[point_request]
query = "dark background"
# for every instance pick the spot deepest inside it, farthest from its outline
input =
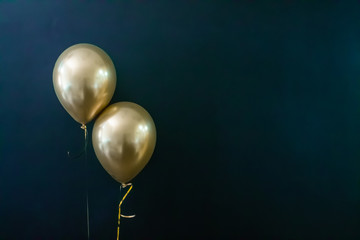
(257, 108)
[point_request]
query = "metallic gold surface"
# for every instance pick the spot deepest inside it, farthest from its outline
(84, 79)
(124, 138)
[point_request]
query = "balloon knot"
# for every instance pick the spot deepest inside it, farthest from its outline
(124, 185)
(83, 126)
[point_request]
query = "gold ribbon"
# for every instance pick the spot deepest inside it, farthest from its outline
(120, 215)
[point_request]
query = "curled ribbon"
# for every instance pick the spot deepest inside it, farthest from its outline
(120, 215)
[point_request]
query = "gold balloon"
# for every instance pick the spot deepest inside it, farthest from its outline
(84, 79)
(124, 137)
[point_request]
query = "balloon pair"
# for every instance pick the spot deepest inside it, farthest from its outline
(124, 134)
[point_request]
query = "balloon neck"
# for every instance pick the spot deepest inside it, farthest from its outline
(124, 185)
(83, 126)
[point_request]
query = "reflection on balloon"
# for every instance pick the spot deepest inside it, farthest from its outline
(124, 138)
(84, 79)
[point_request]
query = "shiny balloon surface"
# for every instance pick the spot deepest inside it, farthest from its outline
(84, 79)
(124, 138)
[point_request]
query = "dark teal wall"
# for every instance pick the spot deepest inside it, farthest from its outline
(256, 107)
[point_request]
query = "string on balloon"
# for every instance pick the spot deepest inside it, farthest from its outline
(123, 185)
(84, 152)
(84, 149)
